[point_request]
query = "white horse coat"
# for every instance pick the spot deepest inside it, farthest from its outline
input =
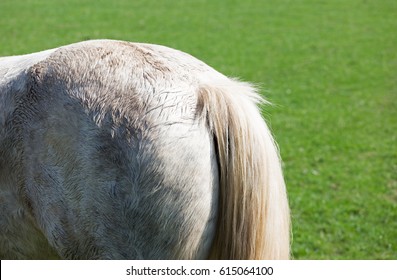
(116, 150)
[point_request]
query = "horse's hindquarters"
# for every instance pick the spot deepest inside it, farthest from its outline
(110, 150)
(113, 166)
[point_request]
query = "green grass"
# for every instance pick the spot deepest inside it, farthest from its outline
(329, 67)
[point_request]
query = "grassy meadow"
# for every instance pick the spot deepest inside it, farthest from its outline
(328, 67)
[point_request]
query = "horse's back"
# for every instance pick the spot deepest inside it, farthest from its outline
(104, 156)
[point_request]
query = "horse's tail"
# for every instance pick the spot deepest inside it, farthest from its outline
(253, 217)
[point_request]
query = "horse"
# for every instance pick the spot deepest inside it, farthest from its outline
(120, 150)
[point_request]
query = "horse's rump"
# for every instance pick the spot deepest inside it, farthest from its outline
(109, 150)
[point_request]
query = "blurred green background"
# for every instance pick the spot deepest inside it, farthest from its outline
(328, 67)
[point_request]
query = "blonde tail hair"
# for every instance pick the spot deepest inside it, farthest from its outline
(253, 214)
